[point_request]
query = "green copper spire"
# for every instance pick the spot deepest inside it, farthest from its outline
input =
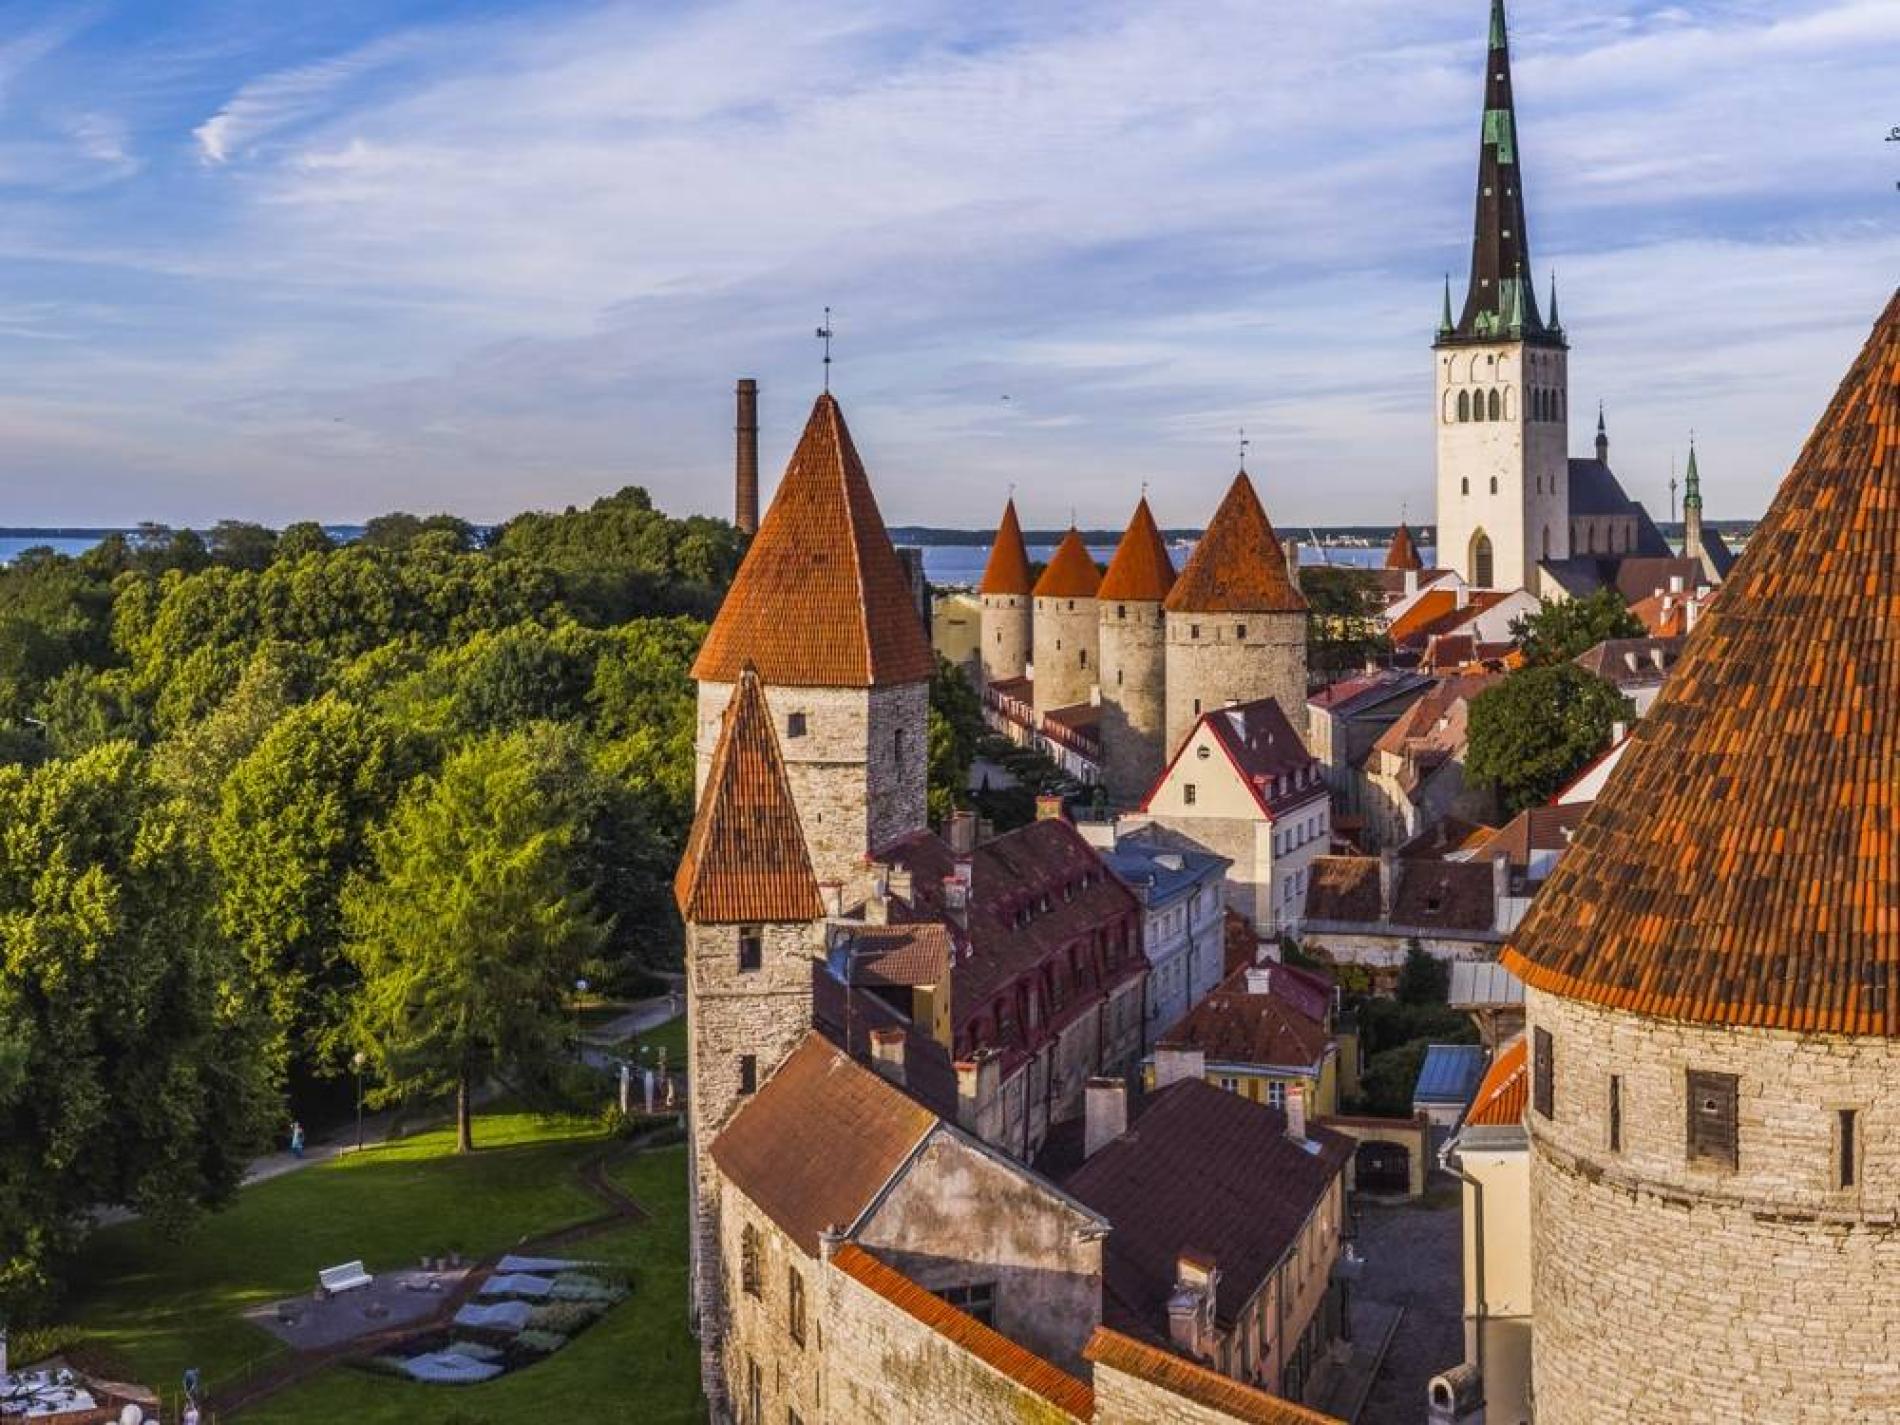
(1498, 38)
(1691, 483)
(1555, 325)
(1444, 322)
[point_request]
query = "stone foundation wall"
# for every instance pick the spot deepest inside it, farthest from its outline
(1006, 636)
(791, 1373)
(1670, 1291)
(1067, 661)
(1134, 698)
(1210, 662)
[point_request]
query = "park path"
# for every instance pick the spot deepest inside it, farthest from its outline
(280, 1372)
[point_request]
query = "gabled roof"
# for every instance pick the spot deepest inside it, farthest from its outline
(1505, 1091)
(1024, 1367)
(820, 600)
(1542, 828)
(1240, 565)
(746, 861)
(1008, 569)
(1071, 572)
(904, 956)
(1402, 552)
(1233, 1026)
(1264, 750)
(1631, 662)
(1742, 866)
(1203, 1170)
(1595, 490)
(1228, 1398)
(819, 1140)
(1142, 570)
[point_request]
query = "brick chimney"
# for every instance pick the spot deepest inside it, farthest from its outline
(979, 1078)
(1174, 1063)
(1191, 1304)
(1049, 808)
(1296, 1112)
(1500, 889)
(1105, 1114)
(746, 479)
(1259, 979)
(962, 834)
(887, 1054)
(1388, 882)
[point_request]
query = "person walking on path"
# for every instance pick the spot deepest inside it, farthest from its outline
(296, 1139)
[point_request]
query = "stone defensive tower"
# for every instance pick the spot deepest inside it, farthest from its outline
(1066, 660)
(746, 892)
(1236, 626)
(1133, 643)
(1713, 997)
(1005, 596)
(821, 608)
(1502, 378)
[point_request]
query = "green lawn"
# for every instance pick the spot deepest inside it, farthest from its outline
(671, 1036)
(639, 1362)
(165, 1302)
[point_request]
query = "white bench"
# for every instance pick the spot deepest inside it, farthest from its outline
(334, 1281)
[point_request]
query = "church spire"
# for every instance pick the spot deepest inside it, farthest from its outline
(1499, 303)
(1603, 438)
(1691, 484)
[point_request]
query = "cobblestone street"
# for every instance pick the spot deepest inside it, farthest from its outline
(1411, 1254)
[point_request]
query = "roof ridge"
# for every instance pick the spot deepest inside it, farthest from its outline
(1141, 570)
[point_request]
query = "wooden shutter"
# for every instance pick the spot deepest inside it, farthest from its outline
(1712, 1102)
(1541, 1071)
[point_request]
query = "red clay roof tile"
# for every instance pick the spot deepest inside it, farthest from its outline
(1504, 1092)
(1141, 571)
(1008, 569)
(820, 600)
(1239, 566)
(1195, 1382)
(746, 859)
(1071, 572)
(1742, 866)
(1402, 552)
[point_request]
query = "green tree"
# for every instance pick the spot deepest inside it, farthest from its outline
(1423, 978)
(304, 537)
(470, 928)
(1344, 628)
(955, 729)
(1535, 730)
(238, 544)
(130, 1071)
(1562, 629)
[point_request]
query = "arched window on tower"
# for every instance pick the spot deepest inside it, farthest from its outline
(1494, 404)
(1494, 484)
(1546, 541)
(1464, 486)
(1464, 405)
(1481, 560)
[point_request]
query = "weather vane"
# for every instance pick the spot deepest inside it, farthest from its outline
(1244, 443)
(824, 335)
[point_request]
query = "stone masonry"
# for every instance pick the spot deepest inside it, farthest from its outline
(1065, 654)
(1688, 1292)
(1218, 658)
(857, 770)
(1133, 639)
(1007, 620)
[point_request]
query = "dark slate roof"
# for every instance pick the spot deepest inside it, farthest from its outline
(1450, 1074)
(1611, 660)
(1595, 490)
(1649, 539)
(1742, 866)
(1158, 874)
(1209, 1172)
(1719, 554)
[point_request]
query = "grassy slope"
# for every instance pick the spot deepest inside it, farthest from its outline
(638, 1362)
(166, 1303)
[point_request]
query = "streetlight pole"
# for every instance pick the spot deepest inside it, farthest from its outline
(358, 1061)
(580, 989)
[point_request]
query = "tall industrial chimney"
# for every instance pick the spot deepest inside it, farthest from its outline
(746, 514)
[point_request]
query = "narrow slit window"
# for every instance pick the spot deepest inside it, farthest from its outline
(748, 1073)
(1616, 1113)
(1541, 1086)
(1847, 1146)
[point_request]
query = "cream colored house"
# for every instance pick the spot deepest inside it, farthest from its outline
(956, 631)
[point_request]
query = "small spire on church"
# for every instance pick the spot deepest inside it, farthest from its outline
(1499, 39)
(1603, 438)
(1691, 481)
(1555, 324)
(1444, 321)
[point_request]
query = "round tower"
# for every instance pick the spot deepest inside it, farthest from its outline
(1235, 625)
(1005, 595)
(1133, 639)
(1065, 630)
(1713, 1000)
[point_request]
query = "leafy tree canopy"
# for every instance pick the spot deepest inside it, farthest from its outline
(1561, 630)
(1535, 730)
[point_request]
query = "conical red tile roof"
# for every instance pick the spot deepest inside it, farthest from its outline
(1141, 571)
(820, 600)
(1008, 569)
(1071, 572)
(1402, 553)
(1743, 864)
(746, 860)
(1239, 566)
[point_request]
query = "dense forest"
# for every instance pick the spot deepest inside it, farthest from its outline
(270, 803)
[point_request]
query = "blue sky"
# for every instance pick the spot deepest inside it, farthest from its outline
(326, 259)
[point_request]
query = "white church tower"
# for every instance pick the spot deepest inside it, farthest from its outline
(1503, 379)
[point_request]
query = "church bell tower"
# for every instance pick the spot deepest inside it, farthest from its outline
(1502, 378)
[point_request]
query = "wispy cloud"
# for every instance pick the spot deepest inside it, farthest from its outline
(270, 105)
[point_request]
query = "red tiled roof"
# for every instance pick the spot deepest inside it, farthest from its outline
(819, 1140)
(1402, 553)
(820, 600)
(1008, 569)
(995, 1350)
(904, 956)
(746, 860)
(1502, 1095)
(1141, 571)
(1239, 566)
(1195, 1382)
(1742, 867)
(1071, 571)
(1232, 1026)
(1209, 1171)
(1265, 751)
(1543, 828)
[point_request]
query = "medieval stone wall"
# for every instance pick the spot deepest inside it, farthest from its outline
(1215, 659)
(1666, 1290)
(1007, 624)
(759, 1332)
(1133, 639)
(1067, 661)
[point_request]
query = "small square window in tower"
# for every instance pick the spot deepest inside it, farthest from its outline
(751, 948)
(1541, 1086)
(1712, 1133)
(795, 724)
(748, 1073)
